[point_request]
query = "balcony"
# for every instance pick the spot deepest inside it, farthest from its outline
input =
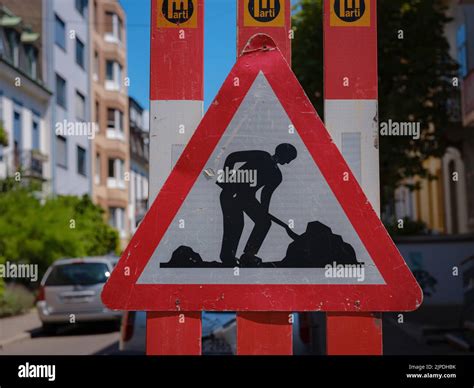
(29, 162)
(114, 183)
(115, 134)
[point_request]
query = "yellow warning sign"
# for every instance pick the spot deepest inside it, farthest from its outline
(350, 13)
(177, 13)
(264, 13)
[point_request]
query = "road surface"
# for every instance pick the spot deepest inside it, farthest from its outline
(101, 339)
(23, 336)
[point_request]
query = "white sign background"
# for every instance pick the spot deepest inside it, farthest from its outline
(260, 123)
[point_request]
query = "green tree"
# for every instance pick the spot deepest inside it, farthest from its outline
(3, 135)
(2, 285)
(39, 232)
(307, 50)
(415, 79)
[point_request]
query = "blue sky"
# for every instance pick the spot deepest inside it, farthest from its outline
(219, 50)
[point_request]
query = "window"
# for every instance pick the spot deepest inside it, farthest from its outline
(13, 47)
(113, 72)
(109, 23)
(117, 219)
(61, 151)
(78, 274)
(118, 75)
(97, 113)
(113, 27)
(111, 118)
(138, 121)
(116, 174)
(138, 186)
(145, 187)
(61, 91)
(111, 168)
(453, 197)
(115, 124)
(17, 138)
(133, 115)
(60, 32)
(79, 52)
(81, 6)
(119, 29)
(80, 106)
(97, 169)
(136, 118)
(81, 161)
(109, 70)
(31, 56)
(96, 66)
(35, 141)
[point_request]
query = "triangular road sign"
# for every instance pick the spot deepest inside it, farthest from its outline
(261, 213)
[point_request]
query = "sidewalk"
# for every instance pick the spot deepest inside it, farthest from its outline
(18, 327)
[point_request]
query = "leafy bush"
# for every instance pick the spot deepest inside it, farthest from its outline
(3, 135)
(16, 299)
(2, 288)
(40, 233)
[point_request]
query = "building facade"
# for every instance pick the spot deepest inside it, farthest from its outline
(139, 159)
(110, 156)
(464, 154)
(66, 43)
(24, 98)
(446, 204)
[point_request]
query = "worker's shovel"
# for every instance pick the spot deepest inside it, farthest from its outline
(292, 234)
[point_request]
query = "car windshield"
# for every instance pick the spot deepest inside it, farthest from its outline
(78, 274)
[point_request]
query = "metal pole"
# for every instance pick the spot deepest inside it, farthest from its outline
(176, 108)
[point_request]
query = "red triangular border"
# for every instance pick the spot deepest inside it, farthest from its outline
(401, 291)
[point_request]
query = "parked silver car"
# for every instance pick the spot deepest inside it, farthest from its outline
(71, 288)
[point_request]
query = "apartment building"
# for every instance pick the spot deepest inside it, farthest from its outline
(110, 156)
(66, 43)
(464, 47)
(446, 204)
(139, 159)
(24, 97)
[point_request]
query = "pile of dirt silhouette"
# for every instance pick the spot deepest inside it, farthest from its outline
(316, 248)
(185, 257)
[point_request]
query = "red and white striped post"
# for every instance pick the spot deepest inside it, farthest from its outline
(278, 26)
(264, 333)
(350, 109)
(176, 108)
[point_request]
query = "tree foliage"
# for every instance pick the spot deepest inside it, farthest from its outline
(415, 79)
(3, 135)
(39, 232)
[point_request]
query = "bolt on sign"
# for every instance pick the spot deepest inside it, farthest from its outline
(261, 213)
(177, 13)
(350, 13)
(264, 13)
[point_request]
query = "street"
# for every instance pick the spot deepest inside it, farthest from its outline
(22, 335)
(98, 339)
